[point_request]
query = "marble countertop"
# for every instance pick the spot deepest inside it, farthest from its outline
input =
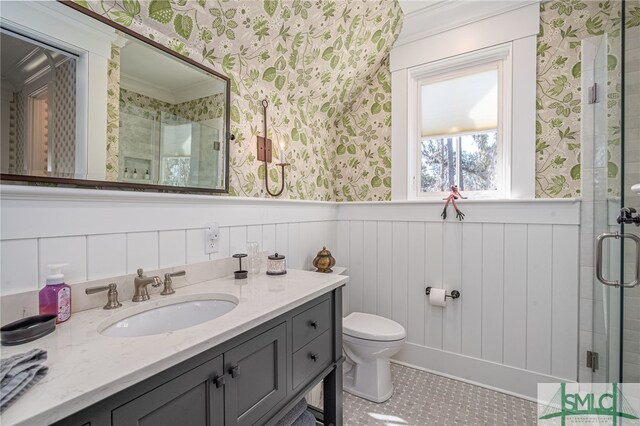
(86, 367)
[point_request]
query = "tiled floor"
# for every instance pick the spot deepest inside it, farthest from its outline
(421, 398)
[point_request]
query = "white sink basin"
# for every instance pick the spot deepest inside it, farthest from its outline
(175, 315)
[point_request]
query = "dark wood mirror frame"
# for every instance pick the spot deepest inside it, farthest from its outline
(99, 184)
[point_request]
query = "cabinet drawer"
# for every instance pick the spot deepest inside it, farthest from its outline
(312, 358)
(310, 324)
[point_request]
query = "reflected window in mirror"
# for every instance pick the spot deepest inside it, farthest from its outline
(38, 108)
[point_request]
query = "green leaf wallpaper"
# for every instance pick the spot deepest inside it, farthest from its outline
(323, 67)
(362, 169)
(563, 25)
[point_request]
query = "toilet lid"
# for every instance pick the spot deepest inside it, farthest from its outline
(372, 327)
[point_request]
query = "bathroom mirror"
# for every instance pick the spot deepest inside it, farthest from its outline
(104, 107)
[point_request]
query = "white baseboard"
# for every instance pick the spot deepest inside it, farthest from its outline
(497, 377)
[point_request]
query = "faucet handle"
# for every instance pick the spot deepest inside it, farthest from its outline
(112, 295)
(168, 282)
(175, 274)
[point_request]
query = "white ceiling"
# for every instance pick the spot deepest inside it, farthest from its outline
(163, 76)
(158, 69)
(410, 6)
(22, 60)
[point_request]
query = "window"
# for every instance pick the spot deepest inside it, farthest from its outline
(460, 138)
(468, 161)
(436, 52)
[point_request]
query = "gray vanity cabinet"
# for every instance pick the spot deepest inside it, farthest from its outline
(251, 379)
(252, 382)
(190, 399)
(256, 377)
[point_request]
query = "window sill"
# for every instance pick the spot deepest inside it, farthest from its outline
(469, 195)
(562, 211)
(470, 201)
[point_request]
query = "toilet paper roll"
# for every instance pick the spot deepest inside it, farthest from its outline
(436, 296)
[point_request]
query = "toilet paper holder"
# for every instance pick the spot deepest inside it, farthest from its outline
(454, 293)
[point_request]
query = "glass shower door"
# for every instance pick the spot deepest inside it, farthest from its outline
(630, 194)
(613, 128)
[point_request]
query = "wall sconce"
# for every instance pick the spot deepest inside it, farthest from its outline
(265, 151)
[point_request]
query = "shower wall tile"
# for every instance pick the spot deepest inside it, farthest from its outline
(586, 282)
(586, 315)
(586, 248)
(600, 316)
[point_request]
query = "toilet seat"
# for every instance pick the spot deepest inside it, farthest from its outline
(372, 327)
(373, 345)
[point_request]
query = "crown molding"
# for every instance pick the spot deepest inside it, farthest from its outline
(439, 16)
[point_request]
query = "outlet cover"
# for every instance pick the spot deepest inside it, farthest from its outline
(212, 238)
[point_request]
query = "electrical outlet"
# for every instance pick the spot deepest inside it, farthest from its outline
(212, 238)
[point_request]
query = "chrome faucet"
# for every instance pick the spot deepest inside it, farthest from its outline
(140, 284)
(168, 282)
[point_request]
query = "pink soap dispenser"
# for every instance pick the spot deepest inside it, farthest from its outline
(55, 297)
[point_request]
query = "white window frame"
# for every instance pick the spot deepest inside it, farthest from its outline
(459, 29)
(491, 58)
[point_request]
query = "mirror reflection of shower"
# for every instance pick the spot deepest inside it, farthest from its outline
(162, 148)
(170, 125)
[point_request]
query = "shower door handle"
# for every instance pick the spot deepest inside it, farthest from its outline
(636, 279)
(599, 260)
(599, 242)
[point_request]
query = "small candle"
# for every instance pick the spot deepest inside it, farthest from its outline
(282, 157)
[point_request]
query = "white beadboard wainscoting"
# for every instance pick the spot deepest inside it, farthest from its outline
(515, 263)
(110, 233)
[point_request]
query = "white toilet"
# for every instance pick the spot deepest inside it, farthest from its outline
(369, 341)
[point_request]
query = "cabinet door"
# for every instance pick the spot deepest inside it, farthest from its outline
(256, 377)
(191, 399)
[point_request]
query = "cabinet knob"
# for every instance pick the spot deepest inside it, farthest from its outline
(314, 357)
(218, 381)
(313, 324)
(234, 371)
